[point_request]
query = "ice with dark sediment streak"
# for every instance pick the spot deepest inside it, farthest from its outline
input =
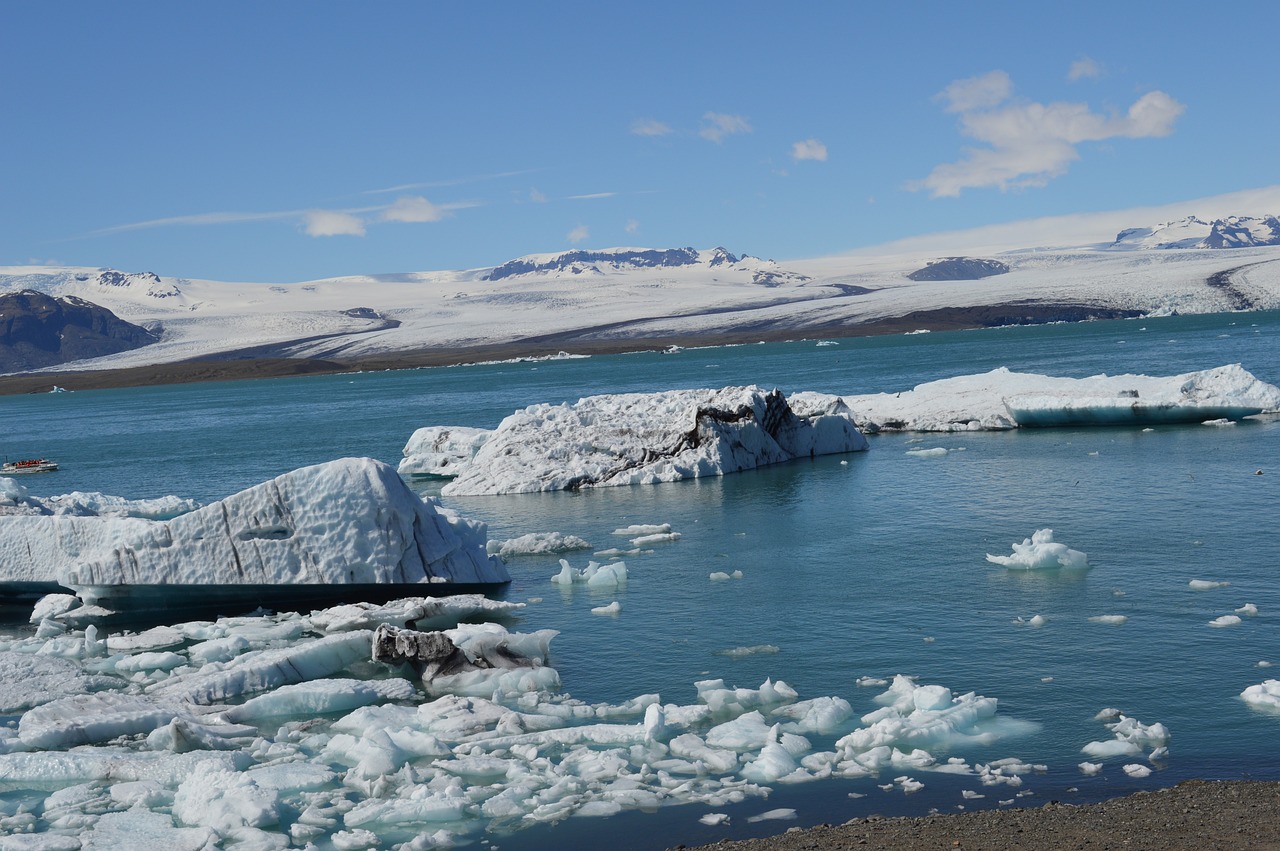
(645, 438)
(350, 521)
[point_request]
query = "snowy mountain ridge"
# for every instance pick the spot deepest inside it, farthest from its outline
(582, 300)
(1195, 233)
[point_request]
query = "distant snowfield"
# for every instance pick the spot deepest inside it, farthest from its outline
(1061, 261)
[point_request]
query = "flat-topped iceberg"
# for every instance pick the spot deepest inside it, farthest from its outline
(1002, 399)
(643, 438)
(350, 521)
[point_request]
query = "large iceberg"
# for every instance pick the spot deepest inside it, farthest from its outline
(347, 522)
(1001, 399)
(643, 438)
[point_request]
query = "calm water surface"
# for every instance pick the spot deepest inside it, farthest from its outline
(870, 564)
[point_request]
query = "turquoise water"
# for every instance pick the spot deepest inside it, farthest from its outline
(867, 568)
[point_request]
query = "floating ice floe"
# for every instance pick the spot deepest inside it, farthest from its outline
(351, 521)
(441, 451)
(1265, 695)
(594, 575)
(537, 543)
(1114, 620)
(1040, 551)
(15, 500)
(603, 441)
(1206, 584)
(1130, 737)
(1225, 620)
(1002, 399)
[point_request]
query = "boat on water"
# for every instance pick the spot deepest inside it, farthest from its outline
(31, 465)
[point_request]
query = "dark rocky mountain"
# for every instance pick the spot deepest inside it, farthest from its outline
(38, 330)
(578, 262)
(959, 269)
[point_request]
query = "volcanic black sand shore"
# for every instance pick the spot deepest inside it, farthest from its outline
(1196, 815)
(253, 363)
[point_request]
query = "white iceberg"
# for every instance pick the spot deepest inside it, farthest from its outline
(1041, 551)
(441, 451)
(644, 438)
(1002, 399)
(1264, 695)
(537, 543)
(351, 521)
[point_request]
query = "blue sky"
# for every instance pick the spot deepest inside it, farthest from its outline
(289, 141)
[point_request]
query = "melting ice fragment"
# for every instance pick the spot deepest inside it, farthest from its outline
(1265, 695)
(1041, 551)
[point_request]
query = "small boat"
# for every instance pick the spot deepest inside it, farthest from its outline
(32, 465)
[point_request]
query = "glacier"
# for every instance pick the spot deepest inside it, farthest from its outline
(639, 438)
(349, 521)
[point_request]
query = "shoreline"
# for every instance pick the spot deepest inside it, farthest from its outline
(1207, 815)
(250, 364)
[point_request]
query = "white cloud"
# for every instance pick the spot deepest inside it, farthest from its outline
(414, 208)
(578, 234)
(537, 197)
(332, 223)
(1031, 143)
(649, 127)
(1084, 68)
(632, 226)
(977, 92)
(718, 125)
(809, 149)
(592, 196)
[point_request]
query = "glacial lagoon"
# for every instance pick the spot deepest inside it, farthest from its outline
(854, 568)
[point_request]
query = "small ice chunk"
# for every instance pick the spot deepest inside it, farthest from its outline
(970, 795)
(1206, 584)
(936, 452)
(1247, 609)
(1265, 694)
(1090, 768)
(642, 529)
(1111, 619)
(537, 543)
(1040, 551)
(753, 650)
(611, 609)
(1225, 620)
(780, 814)
(714, 819)
(1137, 770)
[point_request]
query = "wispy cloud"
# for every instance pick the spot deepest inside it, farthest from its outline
(414, 208)
(1084, 68)
(717, 125)
(457, 181)
(632, 226)
(537, 197)
(351, 221)
(809, 149)
(1030, 143)
(578, 234)
(649, 127)
(592, 196)
(332, 223)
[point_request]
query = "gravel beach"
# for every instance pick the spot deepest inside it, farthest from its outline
(1197, 814)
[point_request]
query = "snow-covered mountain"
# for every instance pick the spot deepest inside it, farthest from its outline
(611, 260)
(1063, 269)
(1192, 232)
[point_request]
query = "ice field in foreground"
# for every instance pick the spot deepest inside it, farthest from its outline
(313, 727)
